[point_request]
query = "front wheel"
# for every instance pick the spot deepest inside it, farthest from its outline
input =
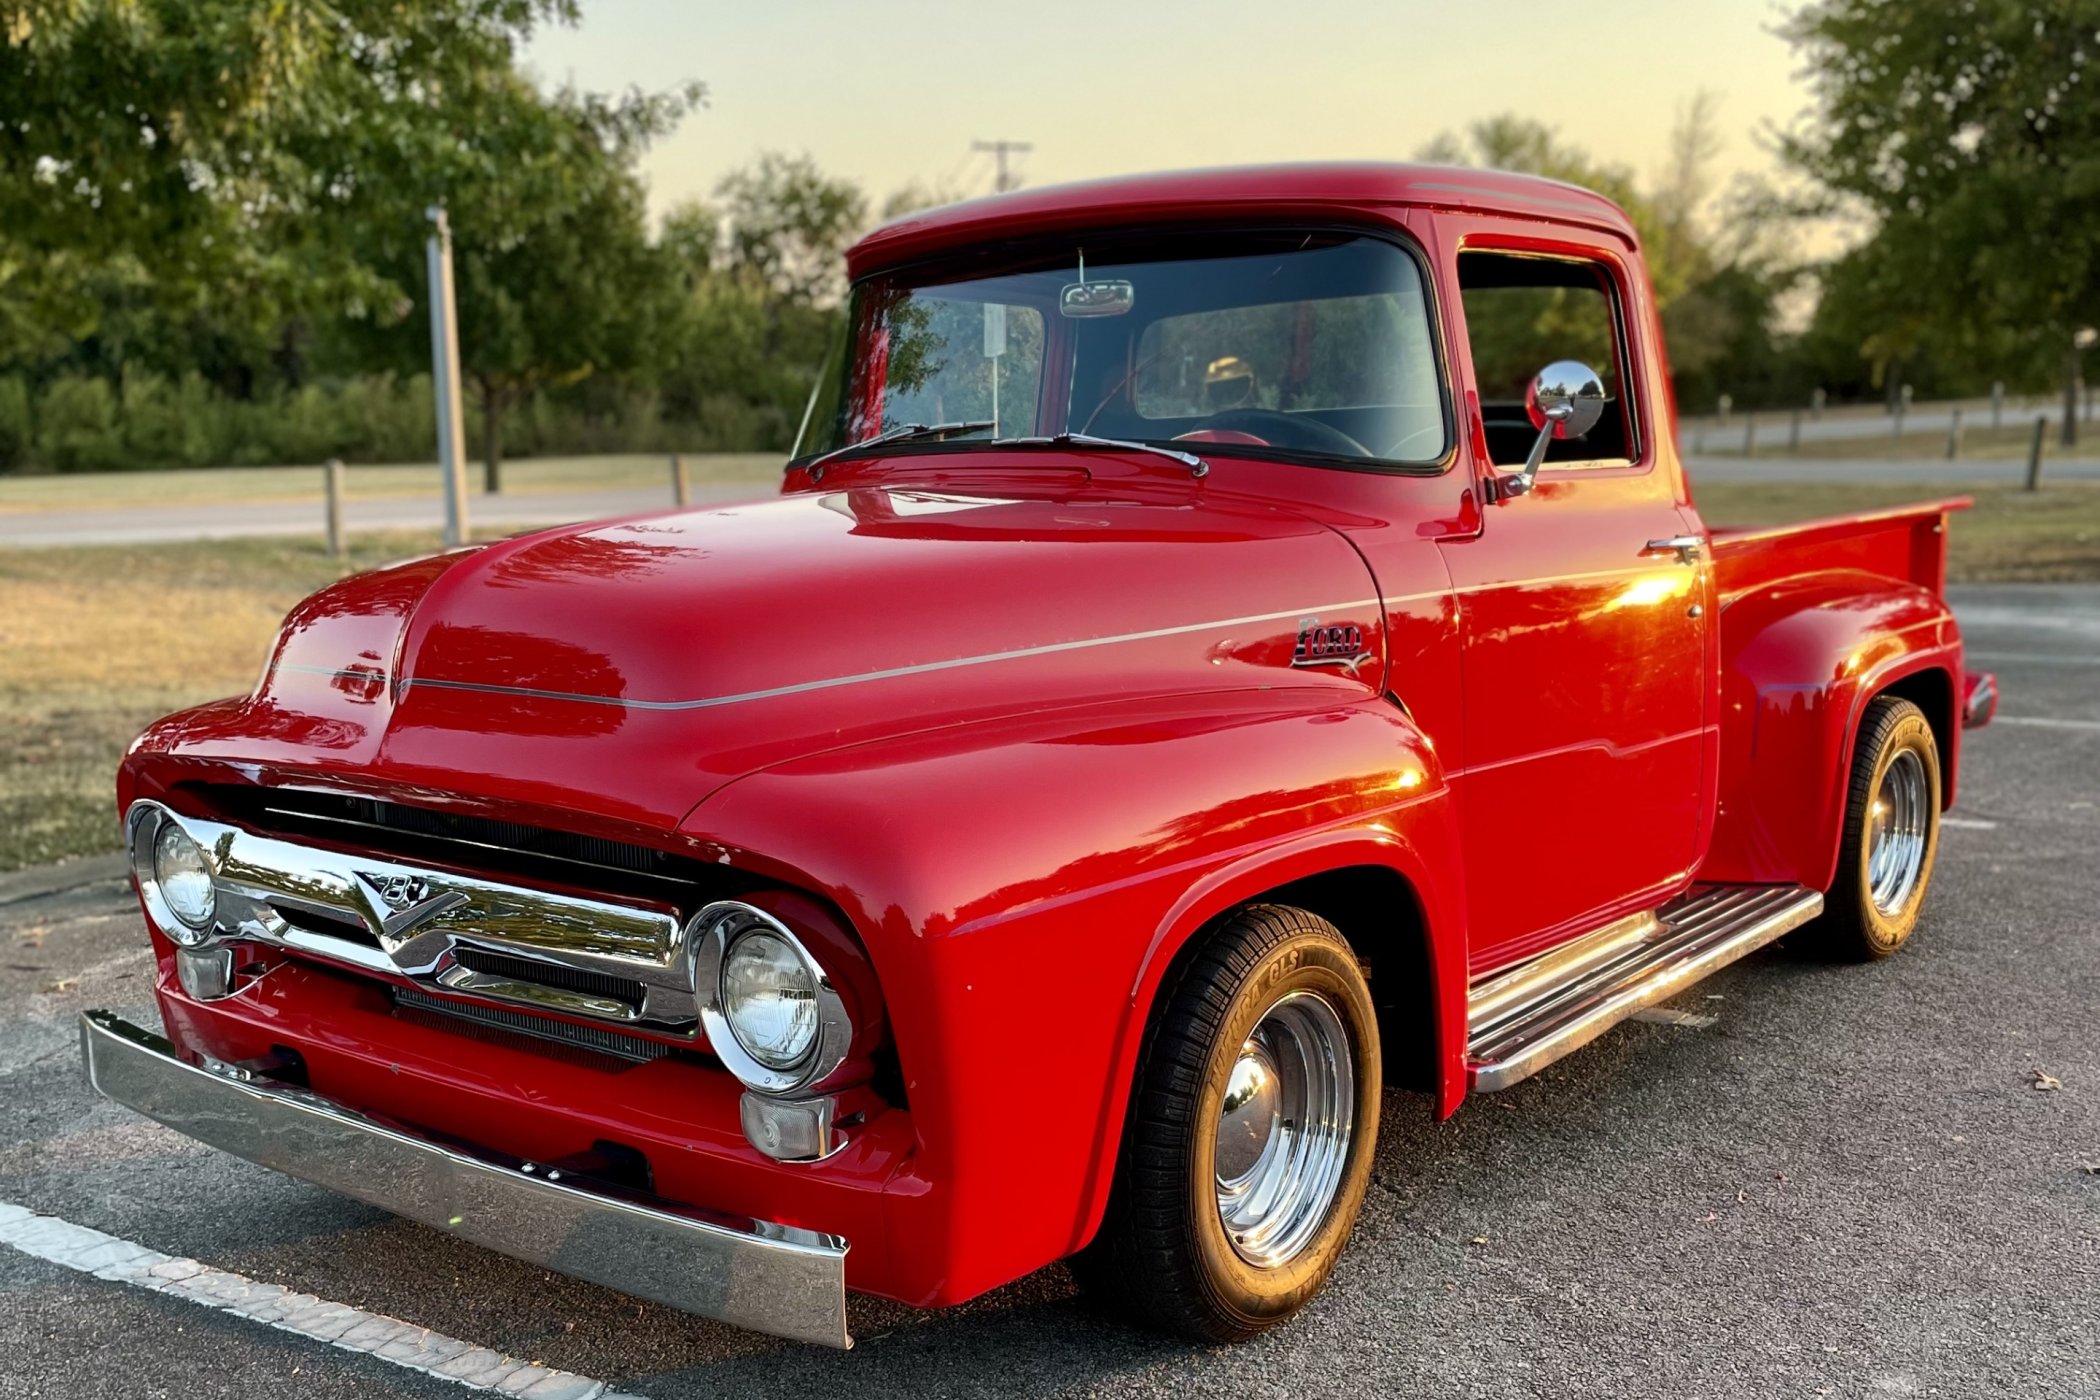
(1250, 1132)
(1892, 834)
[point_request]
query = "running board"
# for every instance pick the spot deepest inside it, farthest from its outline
(1523, 1020)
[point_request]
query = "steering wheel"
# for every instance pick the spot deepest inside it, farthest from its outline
(1288, 430)
(1394, 450)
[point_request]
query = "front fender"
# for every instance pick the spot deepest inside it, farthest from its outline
(1800, 660)
(1021, 887)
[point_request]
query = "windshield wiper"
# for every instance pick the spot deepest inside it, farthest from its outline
(903, 432)
(1196, 465)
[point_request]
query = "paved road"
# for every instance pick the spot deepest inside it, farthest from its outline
(1854, 424)
(1844, 1185)
(142, 524)
(1926, 476)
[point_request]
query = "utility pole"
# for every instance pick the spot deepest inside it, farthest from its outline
(1000, 150)
(444, 377)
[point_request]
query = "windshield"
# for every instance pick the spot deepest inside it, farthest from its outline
(1290, 345)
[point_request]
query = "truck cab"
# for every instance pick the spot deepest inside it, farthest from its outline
(1227, 644)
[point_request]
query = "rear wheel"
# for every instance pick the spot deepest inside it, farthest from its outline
(1891, 837)
(1250, 1132)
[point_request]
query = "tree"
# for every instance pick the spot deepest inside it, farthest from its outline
(191, 173)
(1968, 132)
(1718, 301)
(790, 224)
(201, 150)
(762, 272)
(557, 279)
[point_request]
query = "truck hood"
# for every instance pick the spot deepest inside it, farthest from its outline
(632, 667)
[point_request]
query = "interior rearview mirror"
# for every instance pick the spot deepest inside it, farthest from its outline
(1565, 400)
(1086, 300)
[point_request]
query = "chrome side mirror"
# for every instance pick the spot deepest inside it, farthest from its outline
(1565, 400)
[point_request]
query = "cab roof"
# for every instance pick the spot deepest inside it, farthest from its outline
(1262, 189)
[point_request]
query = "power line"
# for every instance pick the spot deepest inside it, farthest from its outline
(1000, 150)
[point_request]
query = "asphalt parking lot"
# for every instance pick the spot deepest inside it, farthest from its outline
(1851, 1181)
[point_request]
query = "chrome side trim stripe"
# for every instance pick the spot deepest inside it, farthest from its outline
(780, 1279)
(890, 673)
(405, 683)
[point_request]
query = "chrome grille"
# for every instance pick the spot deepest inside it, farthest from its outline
(621, 960)
(553, 975)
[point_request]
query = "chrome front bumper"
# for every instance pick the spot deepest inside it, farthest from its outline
(770, 1278)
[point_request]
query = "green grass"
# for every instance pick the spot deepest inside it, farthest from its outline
(1980, 443)
(95, 643)
(2011, 536)
(213, 485)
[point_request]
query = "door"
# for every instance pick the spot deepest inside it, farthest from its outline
(1582, 635)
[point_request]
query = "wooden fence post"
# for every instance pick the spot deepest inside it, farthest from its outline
(332, 478)
(2034, 455)
(1954, 436)
(1793, 431)
(681, 486)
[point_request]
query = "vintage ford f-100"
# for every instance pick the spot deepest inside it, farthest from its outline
(1200, 674)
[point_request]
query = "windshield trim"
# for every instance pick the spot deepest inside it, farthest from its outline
(1393, 234)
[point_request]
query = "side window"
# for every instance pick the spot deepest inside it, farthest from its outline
(1523, 313)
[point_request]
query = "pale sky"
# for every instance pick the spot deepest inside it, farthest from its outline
(888, 91)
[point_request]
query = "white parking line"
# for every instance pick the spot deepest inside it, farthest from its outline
(88, 1251)
(1969, 823)
(2037, 722)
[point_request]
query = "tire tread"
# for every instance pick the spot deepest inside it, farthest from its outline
(1142, 1264)
(1843, 933)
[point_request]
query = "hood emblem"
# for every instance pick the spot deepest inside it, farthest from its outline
(1337, 644)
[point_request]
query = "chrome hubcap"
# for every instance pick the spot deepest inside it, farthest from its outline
(1898, 822)
(1283, 1129)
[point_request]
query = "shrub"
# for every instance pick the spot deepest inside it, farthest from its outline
(77, 425)
(149, 420)
(384, 419)
(179, 424)
(17, 428)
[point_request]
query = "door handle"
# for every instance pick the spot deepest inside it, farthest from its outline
(1686, 547)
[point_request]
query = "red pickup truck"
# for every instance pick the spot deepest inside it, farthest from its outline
(1201, 673)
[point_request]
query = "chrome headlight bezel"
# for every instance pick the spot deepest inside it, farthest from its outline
(712, 932)
(143, 827)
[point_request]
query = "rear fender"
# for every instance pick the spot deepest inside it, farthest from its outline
(1800, 659)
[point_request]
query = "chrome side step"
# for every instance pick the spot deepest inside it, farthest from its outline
(1524, 1019)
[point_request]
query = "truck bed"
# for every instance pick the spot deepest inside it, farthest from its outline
(1903, 542)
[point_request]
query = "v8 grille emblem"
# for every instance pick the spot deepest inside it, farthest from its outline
(410, 900)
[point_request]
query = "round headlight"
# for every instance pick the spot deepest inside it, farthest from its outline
(185, 882)
(769, 998)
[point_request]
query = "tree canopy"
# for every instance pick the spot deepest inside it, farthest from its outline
(1718, 292)
(255, 172)
(1966, 133)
